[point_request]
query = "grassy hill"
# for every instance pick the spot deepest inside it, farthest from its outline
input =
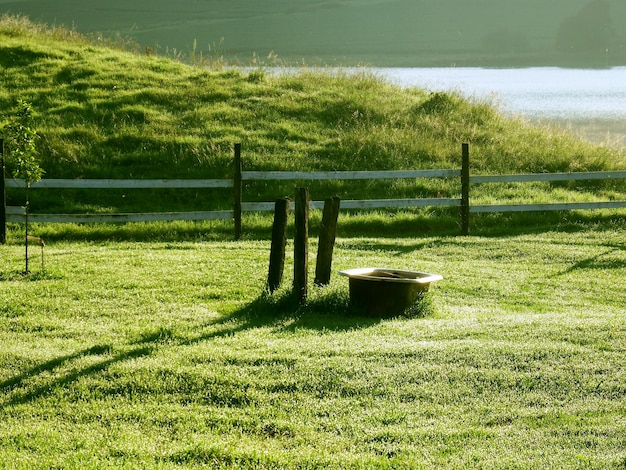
(105, 112)
(378, 32)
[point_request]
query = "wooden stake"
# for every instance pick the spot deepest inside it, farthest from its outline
(238, 186)
(3, 196)
(465, 191)
(279, 242)
(328, 232)
(301, 245)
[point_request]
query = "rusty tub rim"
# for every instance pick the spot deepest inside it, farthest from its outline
(391, 275)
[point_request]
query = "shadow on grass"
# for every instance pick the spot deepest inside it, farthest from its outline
(31, 276)
(602, 261)
(392, 224)
(396, 249)
(327, 310)
(17, 390)
(530, 223)
(49, 366)
(27, 395)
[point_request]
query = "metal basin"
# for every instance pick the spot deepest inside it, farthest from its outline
(386, 291)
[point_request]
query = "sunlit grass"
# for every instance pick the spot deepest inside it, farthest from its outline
(170, 354)
(156, 345)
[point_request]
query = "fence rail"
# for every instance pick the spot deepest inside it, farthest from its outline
(555, 206)
(122, 184)
(542, 177)
(527, 178)
(18, 214)
(347, 175)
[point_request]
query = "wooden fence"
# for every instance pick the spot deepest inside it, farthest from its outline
(466, 180)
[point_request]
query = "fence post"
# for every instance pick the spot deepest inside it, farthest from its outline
(3, 195)
(465, 191)
(238, 189)
(326, 244)
(301, 245)
(279, 242)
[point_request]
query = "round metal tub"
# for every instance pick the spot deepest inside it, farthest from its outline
(386, 291)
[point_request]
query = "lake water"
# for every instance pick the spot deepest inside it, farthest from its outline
(543, 92)
(588, 102)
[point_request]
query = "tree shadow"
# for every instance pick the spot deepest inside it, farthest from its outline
(601, 262)
(327, 310)
(12, 388)
(395, 249)
(30, 276)
(50, 365)
(282, 311)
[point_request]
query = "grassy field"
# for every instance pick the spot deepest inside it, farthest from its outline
(157, 346)
(610, 133)
(170, 355)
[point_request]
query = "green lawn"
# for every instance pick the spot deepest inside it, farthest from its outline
(169, 354)
(155, 346)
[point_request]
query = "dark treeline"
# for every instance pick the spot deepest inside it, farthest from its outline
(589, 33)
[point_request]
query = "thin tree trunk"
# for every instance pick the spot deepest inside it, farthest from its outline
(26, 231)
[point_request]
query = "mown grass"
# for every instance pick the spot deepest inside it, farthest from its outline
(170, 355)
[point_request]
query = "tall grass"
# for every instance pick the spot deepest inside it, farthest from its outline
(103, 112)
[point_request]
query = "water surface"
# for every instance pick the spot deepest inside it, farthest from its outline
(542, 92)
(588, 102)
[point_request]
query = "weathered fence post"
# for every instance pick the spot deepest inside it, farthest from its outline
(3, 195)
(238, 188)
(279, 242)
(326, 244)
(301, 245)
(465, 191)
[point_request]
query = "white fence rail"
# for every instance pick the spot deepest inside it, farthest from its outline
(557, 206)
(17, 214)
(526, 178)
(122, 184)
(20, 216)
(348, 175)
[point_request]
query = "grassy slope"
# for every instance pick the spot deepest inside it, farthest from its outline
(103, 112)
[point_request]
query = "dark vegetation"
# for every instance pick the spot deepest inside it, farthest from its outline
(590, 34)
(581, 33)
